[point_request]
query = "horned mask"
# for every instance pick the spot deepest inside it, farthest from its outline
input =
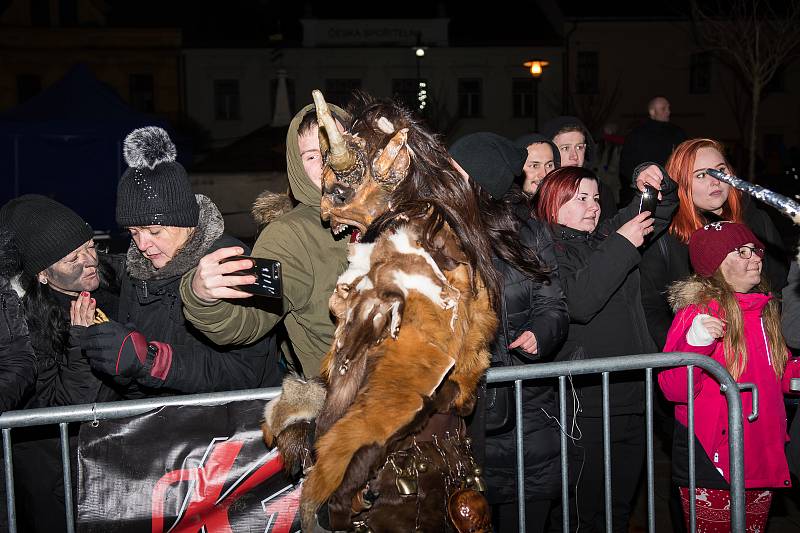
(360, 169)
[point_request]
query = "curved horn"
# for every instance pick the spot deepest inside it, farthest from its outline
(341, 157)
(384, 162)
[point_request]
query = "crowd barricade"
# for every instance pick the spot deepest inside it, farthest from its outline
(94, 413)
(647, 363)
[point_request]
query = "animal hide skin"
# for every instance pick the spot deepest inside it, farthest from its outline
(383, 367)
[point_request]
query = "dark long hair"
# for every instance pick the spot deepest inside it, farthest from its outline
(503, 226)
(432, 192)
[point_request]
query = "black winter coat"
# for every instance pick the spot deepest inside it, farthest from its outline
(541, 309)
(600, 277)
(150, 302)
(17, 360)
(666, 260)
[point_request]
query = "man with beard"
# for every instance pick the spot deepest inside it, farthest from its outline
(311, 260)
(59, 262)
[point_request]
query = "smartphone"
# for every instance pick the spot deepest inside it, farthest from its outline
(649, 200)
(268, 283)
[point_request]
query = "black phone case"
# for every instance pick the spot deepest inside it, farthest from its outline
(649, 200)
(269, 281)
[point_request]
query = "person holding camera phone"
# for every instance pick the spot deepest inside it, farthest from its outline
(311, 260)
(533, 323)
(597, 263)
(153, 345)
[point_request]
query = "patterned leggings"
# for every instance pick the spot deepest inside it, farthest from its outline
(714, 509)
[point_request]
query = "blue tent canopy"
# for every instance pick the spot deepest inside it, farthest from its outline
(66, 143)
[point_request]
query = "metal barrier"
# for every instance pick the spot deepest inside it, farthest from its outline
(646, 362)
(95, 412)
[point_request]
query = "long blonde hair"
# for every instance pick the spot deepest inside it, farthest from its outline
(716, 288)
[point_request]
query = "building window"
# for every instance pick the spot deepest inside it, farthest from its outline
(700, 73)
(68, 13)
(522, 97)
(28, 86)
(588, 73)
(470, 97)
(407, 90)
(40, 13)
(226, 100)
(340, 91)
(142, 93)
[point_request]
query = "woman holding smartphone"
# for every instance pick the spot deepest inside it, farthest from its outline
(153, 345)
(597, 263)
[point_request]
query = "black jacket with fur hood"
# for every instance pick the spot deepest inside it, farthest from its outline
(17, 360)
(151, 301)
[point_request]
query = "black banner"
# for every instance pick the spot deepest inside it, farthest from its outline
(184, 470)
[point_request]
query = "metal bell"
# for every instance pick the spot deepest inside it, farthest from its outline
(406, 485)
(479, 484)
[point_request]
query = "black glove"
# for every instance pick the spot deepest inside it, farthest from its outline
(119, 350)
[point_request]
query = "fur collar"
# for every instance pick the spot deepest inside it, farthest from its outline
(689, 291)
(692, 291)
(209, 228)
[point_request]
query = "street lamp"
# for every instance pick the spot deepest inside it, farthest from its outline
(536, 68)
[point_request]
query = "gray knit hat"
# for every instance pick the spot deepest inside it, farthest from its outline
(155, 190)
(45, 231)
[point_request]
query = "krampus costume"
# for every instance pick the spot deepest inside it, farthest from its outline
(414, 317)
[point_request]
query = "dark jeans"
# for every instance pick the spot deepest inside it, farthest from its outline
(627, 460)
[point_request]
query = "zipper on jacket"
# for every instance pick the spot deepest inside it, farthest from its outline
(144, 287)
(766, 344)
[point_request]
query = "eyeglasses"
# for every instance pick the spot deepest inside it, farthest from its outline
(746, 252)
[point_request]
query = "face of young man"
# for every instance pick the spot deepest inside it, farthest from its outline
(572, 147)
(537, 165)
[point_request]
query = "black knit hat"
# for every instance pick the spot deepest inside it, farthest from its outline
(155, 190)
(45, 230)
(489, 159)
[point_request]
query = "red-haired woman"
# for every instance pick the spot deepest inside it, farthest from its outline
(702, 199)
(598, 269)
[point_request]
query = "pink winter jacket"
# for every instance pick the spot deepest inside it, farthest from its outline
(765, 438)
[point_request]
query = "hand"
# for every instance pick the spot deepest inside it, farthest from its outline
(650, 176)
(714, 326)
(527, 342)
(82, 310)
(118, 350)
(210, 282)
(636, 228)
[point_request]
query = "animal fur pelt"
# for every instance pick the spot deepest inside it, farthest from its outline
(404, 328)
(269, 206)
(288, 421)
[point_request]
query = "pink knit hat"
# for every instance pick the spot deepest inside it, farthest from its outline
(709, 245)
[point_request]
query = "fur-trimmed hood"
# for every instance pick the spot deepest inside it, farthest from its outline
(210, 227)
(690, 291)
(269, 206)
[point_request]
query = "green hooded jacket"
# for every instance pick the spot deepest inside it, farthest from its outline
(311, 260)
